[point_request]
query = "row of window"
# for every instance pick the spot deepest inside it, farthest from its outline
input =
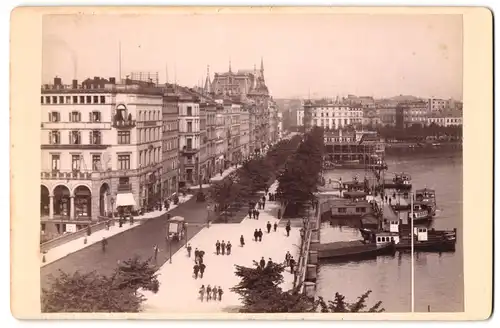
(171, 126)
(150, 156)
(171, 144)
(149, 116)
(77, 162)
(75, 116)
(95, 137)
(337, 114)
(148, 135)
(74, 100)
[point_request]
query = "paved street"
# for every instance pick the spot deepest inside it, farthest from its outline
(137, 241)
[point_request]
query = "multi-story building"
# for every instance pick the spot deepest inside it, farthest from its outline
(234, 144)
(170, 157)
(101, 148)
(371, 117)
(220, 136)
(415, 112)
(189, 136)
(245, 131)
(273, 121)
(280, 125)
(332, 114)
(446, 118)
(436, 105)
(300, 117)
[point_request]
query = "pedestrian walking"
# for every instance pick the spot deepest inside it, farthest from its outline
(257, 212)
(228, 248)
(223, 247)
(155, 250)
(259, 205)
(268, 226)
(214, 293)
(275, 226)
(269, 262)
(292, 264)
(202, 292)
(262, 262)
(189, 249)
(242, 241)
(279, 213)
(209, 293)
(288, 256)
(196, 269)
(217, 247)
(104, 243)
(196, 254)
(260, 234)
(288, 228)
(220, 293)
(256, 235)
(202, 269)
(250, 213)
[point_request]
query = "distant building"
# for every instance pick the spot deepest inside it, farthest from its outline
(436, 105)
(331, 114)
(446, 118)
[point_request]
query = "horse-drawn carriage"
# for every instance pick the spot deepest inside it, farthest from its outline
(176, 228)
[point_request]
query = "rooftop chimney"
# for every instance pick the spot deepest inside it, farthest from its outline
(57, 81)
(112, 80)
(75, 84)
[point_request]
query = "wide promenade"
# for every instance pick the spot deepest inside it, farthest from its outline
(179, 290)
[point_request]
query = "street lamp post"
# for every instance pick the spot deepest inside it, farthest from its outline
(112, 200)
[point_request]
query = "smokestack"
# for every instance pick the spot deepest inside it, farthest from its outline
(75, 84)
(57, 81)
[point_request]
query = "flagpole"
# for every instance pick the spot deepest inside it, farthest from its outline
(412, 256)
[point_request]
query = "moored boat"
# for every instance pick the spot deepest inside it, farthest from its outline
(377, 244)
(401, 181)
(427, 196)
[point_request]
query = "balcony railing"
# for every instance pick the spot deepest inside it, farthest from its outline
(72, 175)
(124, 124)
(189, 150)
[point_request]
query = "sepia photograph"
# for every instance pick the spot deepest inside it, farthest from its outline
(250, 162)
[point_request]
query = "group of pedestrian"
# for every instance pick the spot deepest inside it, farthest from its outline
(262, 263)
(272, 197)
(269, 226)
(211, 292)
(289, 261)
(252, 212)
(257, 235)
(199, 267)
(223, 248)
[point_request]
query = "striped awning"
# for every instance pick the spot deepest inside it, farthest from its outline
(126, 199)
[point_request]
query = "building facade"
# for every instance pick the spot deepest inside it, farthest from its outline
(446, 118)
(436, 105)
(331, 114)
(170, 174)
(101, 148)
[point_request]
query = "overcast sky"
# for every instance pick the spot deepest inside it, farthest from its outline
(371, 55)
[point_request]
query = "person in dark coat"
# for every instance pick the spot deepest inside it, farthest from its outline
(202, 292)
(242, 241)
(288, 228)
(292, 264)
(209, 293)
(196, 269)
(189, 249)
(263, 202)
(262, 262)
(220, 293)
(217, 247)
(214, 293)
(257, 212)
(260, 234)
(202, 269)
(279, 213)
(250, 213)
(228, 247)
(269, 262)
(196, 254)
(268, 226)
(275, 226)
(104, 243)
(223, 247)
(256, 235)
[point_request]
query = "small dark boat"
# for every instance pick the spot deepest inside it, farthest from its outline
(377, 244)
(428, 197)
(422, 213)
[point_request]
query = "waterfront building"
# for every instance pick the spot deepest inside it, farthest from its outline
(436, 104)
(415, 112)
(170, 148)
(356, 147)
(101, 147)
(446, 118)
(332, 114)
(371, 117)
(387, 112)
